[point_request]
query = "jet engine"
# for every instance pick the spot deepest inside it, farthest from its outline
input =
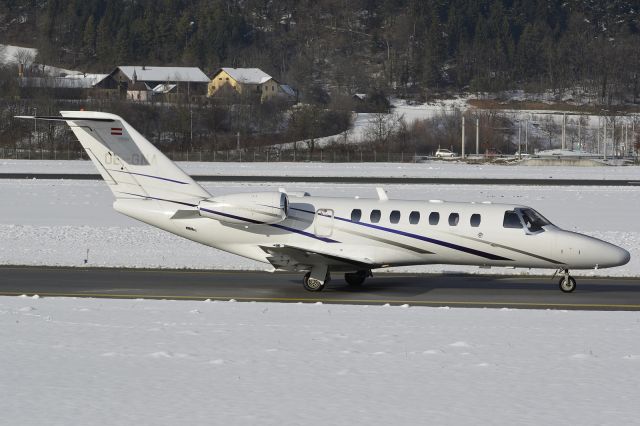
(246, 209)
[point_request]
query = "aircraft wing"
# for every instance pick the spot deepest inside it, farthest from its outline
(287, 257)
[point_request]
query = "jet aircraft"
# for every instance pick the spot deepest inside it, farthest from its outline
(318, 236)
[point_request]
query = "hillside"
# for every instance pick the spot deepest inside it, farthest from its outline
(331, 47)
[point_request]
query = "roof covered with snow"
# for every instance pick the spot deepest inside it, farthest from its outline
(178, 74)
(247, 75)
(80, 81)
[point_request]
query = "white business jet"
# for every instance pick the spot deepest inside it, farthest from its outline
(321, 235)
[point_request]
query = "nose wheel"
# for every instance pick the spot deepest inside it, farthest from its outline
(567, 282)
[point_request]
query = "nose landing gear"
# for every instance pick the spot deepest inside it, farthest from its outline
(567, 282)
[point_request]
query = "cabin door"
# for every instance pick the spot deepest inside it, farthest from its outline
(323, 223)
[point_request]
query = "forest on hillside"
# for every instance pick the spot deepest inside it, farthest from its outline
(412, 48)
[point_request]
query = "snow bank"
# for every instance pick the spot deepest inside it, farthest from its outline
(99, 362)
(433, 169)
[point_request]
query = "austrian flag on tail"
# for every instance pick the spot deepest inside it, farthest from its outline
(116, 131)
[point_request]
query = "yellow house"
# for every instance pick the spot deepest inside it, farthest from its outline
(244, 82)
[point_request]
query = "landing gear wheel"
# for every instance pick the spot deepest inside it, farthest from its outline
(311, 284)
(567, 284)
(355, 279)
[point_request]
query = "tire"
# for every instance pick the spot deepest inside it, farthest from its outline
(311, 285)
(567, 284)
(355, 279)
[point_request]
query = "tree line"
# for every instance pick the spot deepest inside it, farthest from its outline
(330, 47)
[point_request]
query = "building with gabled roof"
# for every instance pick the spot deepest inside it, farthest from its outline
(245, 82)
(188, 79)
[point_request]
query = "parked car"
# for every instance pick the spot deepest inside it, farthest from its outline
(441, 153)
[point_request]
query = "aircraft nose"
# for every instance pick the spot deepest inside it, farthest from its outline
(615, 256)
(622, 256)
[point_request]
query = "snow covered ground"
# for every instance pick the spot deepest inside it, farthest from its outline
(432, 169)
(55, 222)
(130, 362)
(9, 53)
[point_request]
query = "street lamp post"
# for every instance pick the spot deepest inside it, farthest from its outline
(35, 128)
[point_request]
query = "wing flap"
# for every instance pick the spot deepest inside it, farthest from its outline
(287, 257)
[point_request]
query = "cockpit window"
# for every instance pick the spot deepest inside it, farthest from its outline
(511, 220)
(533, 220)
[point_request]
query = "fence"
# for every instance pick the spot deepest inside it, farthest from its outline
(274, 155)
(257, 155)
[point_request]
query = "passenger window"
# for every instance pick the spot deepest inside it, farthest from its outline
(475, 220)
(375, 216)
(434, 218)
(356, 215)
(394, 217)
(454, 218)
(511, 220)
(414, 218)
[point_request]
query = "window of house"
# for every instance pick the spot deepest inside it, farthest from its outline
(434, 218)
(511, 220)
(475, 220)
(394, 217)
(414, 218)
(375, 216)
(220, 78)
(227, 78)
(356, 215)
(454, 218)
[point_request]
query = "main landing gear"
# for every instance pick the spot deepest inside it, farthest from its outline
(316, 278)
(356, 279)
(567, 282)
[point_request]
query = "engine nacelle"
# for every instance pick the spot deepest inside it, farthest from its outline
(246, 209)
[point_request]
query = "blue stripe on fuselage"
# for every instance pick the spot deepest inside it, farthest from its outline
(464, 249)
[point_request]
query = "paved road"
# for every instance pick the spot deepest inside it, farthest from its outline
(426, 290)
(356, 180)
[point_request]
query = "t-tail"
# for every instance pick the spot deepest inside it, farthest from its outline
(128, 162)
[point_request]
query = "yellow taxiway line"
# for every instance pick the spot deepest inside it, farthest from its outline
(334, 300)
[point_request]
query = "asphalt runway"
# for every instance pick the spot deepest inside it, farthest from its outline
(356, 180)
(395, 289)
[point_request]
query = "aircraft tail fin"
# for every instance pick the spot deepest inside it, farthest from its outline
(130, 164)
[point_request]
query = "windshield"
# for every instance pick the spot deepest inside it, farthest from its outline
(533, 220)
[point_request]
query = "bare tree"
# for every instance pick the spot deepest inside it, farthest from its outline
(24, 56)
(381, 128)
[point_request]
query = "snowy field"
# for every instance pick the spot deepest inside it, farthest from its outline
(433, 169)
(144, 362)
(55, 222)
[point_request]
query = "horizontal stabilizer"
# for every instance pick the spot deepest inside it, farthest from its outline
(60, 118)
